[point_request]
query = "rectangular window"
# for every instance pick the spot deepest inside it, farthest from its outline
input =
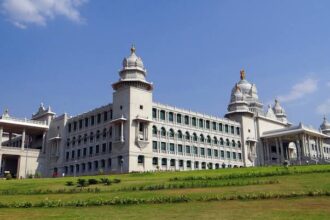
(187, 149)
(90, 150)
(216, 153)
(67, 155)
(92, 120)
(110, 147)
(104, 147)
(232, 129)
(163, 147)
(209, 152)
(220, 127)
(207, 124)
(155, 145)
(80, 124)
(222, 154)
(226, 128)
(201, 123)
(228, 155)
(69, 127)
(203, 151)
(84, 152)
(97, 149)
(86, 122)
(154, 113)
(180, 150)
(162, 115)
(180, 163)
(75, 126)
(99, 118)
(78, 153)
(105, 116)
(238, 132)
(234, 155)
(170, 117)
(194, 122)
(214, 125)
(171, 147)
(178, 118)
(72, 154)
(195, 150)
(186, 120)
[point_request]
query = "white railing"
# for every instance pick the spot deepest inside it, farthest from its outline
(9, 118)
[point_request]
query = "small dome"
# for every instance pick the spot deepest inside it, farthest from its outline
(133, 61)
(325, 125)
(270, 113)
(278, 110)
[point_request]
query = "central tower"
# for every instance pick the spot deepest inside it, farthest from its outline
(132, 116)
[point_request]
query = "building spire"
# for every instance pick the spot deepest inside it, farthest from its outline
(133, 49)
(242, 73)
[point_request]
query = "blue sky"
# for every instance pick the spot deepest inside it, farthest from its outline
(67, 53)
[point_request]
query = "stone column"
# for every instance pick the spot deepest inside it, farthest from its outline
(23, 140)
(1, 134)
(277, 150)
(122, 132)
(268, 152)
(309, 146)
(43, 148)
(298, 151)
(0, 164)
(282, 150)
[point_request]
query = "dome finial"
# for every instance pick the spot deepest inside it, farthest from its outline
(133, 49)
(242, 73)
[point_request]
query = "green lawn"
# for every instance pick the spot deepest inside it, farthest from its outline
(295, 179)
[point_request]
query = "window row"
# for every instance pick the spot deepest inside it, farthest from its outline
(105, 133)
(171, 148)
(193, 137)
(193, 121)
(88, 167)
(183, 164)
(88, 151)
(89, 121)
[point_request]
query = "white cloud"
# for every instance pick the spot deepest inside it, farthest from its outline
(22, 13)
(300, 90)
(324, 108)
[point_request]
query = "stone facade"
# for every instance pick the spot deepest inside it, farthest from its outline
(136, 134)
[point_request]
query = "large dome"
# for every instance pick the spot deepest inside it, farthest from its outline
(248, 90)
(278, 110)
(133, 61)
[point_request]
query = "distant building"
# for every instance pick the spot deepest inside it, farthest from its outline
(135, 134)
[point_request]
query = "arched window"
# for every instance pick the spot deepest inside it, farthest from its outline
(208, 139)
(195, 138)
(201, 138)
(227, 142)
(221, 141)
(179, 134)
(171, 133)
(154, 130)
(187, 136)
(215, 140)
(163, 132)
(233, 143)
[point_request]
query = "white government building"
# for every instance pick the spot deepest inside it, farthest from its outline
(135, 134)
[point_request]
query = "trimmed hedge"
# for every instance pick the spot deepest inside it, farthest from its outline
(163, 199)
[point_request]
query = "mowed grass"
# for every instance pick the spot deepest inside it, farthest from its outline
(299, 179)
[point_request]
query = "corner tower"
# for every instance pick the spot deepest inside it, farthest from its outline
(132, 115)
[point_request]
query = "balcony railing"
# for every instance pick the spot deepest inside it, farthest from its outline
(9, 118)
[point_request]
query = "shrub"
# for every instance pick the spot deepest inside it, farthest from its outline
(69, 183)
(106, 181)
(93, 181)
(8, 176)
(37, 175)
(100, 172)
(82, 183)
(116, 180)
